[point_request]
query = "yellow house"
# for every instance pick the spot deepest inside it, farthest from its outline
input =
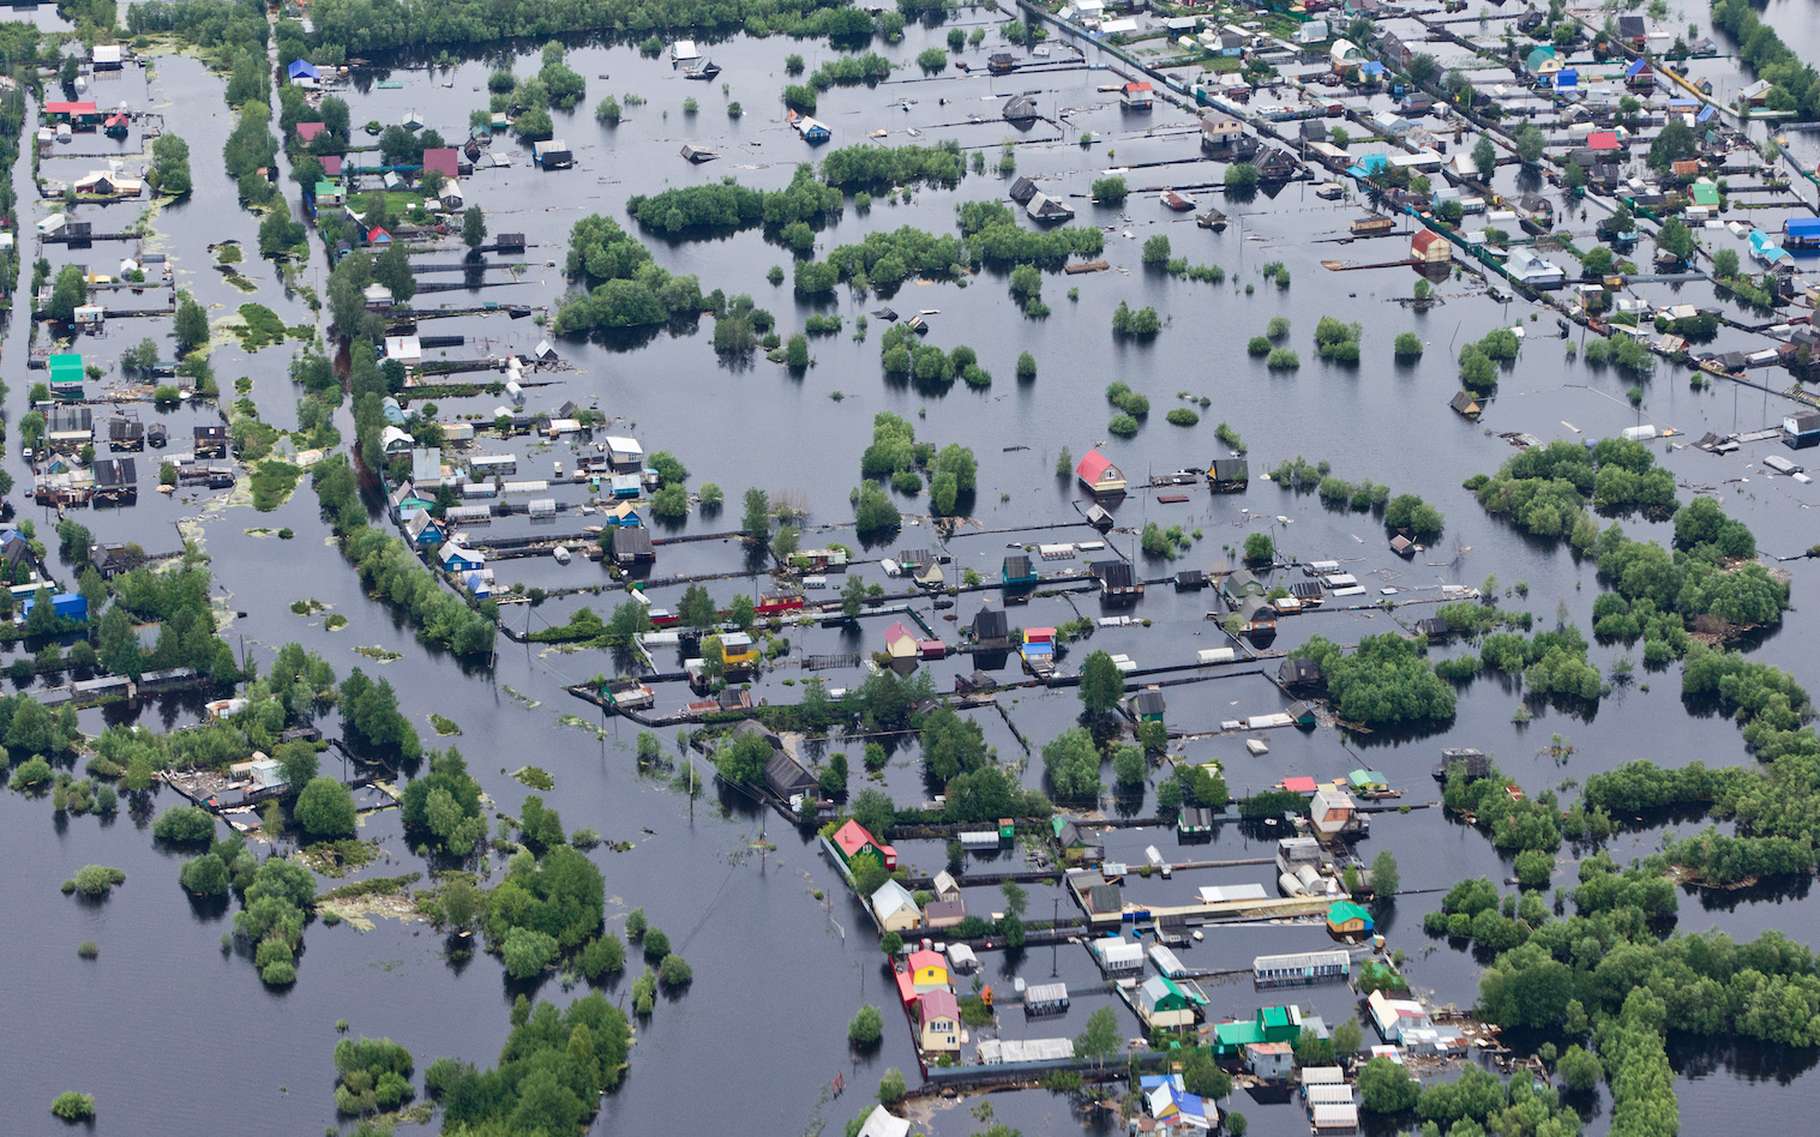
(940, 1013)
(738, 650)
(928, 971)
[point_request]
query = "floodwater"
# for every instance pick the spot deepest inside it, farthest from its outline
(768, 951)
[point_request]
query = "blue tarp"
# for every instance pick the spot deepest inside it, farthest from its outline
(67, 606)
(1567, 78)
(302, 69)
(1683, 104)
(1706, 114)
(1636, 68)
(1372, 69)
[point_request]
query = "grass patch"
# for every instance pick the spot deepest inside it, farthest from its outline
(338, 858)
(373, 886)
(273, 481)
(378, 654)
(444, 727)
(260, 327)
(335, 622)
(536, 777)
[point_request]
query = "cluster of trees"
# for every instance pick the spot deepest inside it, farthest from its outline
(1543, 490)
(625, 289)
(1479, 360)
(1135, 323)
(854, 168)
(1794, 84)
(388, 569)
(170, 172)
(904, 356)
(728, 206)
(1407, 513)
(875, 518)
(1383, 683)
(363, 27)
(278, 900)
(372, 1074)
(549, 904)
(552, 1071)
(997, 239)
(1514, 823)
(1693, 581)
(179, 603)
(249, 149)
(1337, 341)
(1550, 663)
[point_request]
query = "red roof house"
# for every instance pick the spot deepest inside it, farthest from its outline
(377, 235)
(72, 110)
(1429, 247)
(1300, 784)
(855, 840)
(1602, 141)
(1098, 474)
(442, 159)
(310, 131)
(331, 165)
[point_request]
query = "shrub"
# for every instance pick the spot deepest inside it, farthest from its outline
(72, 1106)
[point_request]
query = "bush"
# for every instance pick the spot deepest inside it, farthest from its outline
(94, 881)
(674, 973)
(184, 825)
(1109, 190)
(867, 1027)
(1408, 346)
(72, 1106)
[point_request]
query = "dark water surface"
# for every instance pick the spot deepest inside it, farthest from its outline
(172, 1036)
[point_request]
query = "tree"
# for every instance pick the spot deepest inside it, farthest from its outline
(891, 1086)
(1099, 1040)
(742, 759)
(1259, 549)
(170, 173)
(696, 609)
(1072, 763)
(1580, 1071)
(1347, 1038)
(1385, 879)
(1675, 237)
(1672, 143)
(867, 1027)
(70, 1105)
(68, 292)
(1102, 684)
(192, 324)
(1129, 767)
(756, 522)
(1201, 1077)
(1485, 156)
(1386, 1087)
(1530, 145)
(206, 875)
(473, 227)
(325, 809)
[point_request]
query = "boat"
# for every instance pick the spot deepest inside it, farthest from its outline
(1212, 219)
(1180, 202)
(706, 72)
(561, 553)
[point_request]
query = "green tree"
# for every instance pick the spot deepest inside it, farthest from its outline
(867, 1027)
(1099, 1039)
(1530, 145)
(1580, 1071)
(756, 521)
(325, 809)
(1102, 684)
(1386, 1087)
(1485, 156)
(473, 227)
(68, 292)
(192, 324)
(742, 758)
(1385, 878)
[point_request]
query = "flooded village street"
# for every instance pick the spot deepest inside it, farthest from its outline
(1087, 567)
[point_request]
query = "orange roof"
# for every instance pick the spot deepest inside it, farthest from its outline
(926, 958)
(1135, 87)
(1423, 239)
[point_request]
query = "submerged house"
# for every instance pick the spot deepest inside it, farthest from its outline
(1098, 473)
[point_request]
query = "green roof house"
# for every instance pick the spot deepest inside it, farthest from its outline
(66, 374)
(1270, 1024)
